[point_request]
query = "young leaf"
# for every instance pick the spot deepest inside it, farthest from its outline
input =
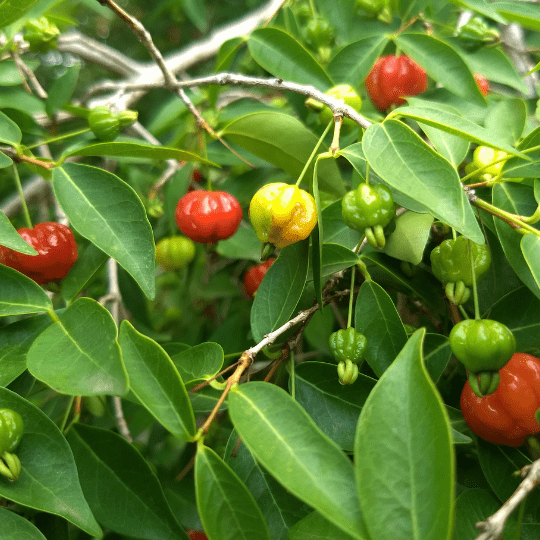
(48, 480)
(20, 294)
(279, 292)
(108, 212)
(111, 470)
(284, 439)
(376, 317)
(79, 354)
(415, 492)
(11, 11)
(153, 378)
(227, 509)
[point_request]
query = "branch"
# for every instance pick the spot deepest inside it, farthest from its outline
(492, 527)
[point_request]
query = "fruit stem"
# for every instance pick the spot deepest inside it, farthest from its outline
(21, 195)
(314, 153)
(475, 290)
(66, 414)
(59, 138)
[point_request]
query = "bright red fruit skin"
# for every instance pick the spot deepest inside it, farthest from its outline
(482, 83)
(507, 415)
(254, 276)
(208, 216)
(57, 252)
(197, 535)
(392, 78)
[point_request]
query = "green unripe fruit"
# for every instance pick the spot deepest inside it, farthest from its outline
(13, 430)
(175, 252)
(346, 93)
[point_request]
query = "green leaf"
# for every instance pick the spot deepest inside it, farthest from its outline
(62, 89)
(79, 355)
(5, 161)
(335, 230)
(9, 130)
(517, 199)
(530, 247)
(199, 362)
(197, 13)
(154, 379)
(443, 63)
(377, 318)
(283, 56)
(10, 238)
(244, 244)
(481, 6)
(227, 509)
(319, 391)
(525, 14)
(516, 167)
(352, 64)
(340, 14)
(15, 340)
(112, 470)
(415, 492)
(455, 124)
(20, 294)
(15, 527)
(408, 9)
(108, 212)
(48, 480)
(437, 354)
(317, 237)
(452, 148)
(507, 120)
(315, 527)
(279, 292)
(285, 142)
(284, 439)
(408, 241)
(335, 257)
(412, 167)
(137, 150)
(280, 508)
(11, 10)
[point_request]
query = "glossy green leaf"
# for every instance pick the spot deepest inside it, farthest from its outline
(516, 167)
(20, 294)
(280, 508)
(315, 527)
(154, 379)
(335, 257)
(9, 130)
(275, 428)
(112, 470)
(15, 340)
(228, 510)
(199, 362)
(283, 56)
(279, 292)
(285, 142)
(15, 527)
(530, 247)
(517, 199)
(334, 407)
(437, 354)
(5, 161)
(408, 241)
(456, 125)
(79, 354)
(451, 147)
(415, 491)
(108, 212)
(335, 230)
(507, 120)
(376, 317)
(414, 168)
(10, 238)
(48, 480)
(520, 311)
(62, 89)
(352, 64)
(442, 62)
(526, 14)
(137, 150)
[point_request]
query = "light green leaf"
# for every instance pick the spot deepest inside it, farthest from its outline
(283, 56)
(507, 120)
(49, 481)
(5, 161)
(9, 130)
(11, 10)
(199, 362)
(285, 142)
(227, 509)
(10, 238)
(244, 244)
(335, 257)
(108, 212)
(530, 247)
(20, 294)
(524, 13)
(415, 490)
(276, 430)
(315, 527)
(452, 148)
(153, 378)
(62, 89)
(403, 160)
(79, 355)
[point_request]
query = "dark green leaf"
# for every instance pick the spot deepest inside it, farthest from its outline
(415, 493)
(315, 527)
(79, 354)
(335, 231)
(199, 362)
(61, 89)
(227, 509)
(48, 479)
(15, 527)
(108, 212)
(112, 470)
(530, 247)
(10, 238)
(437, 354)
(335, 257)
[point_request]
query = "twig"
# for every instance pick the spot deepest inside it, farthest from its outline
(492, 527)
(21, 158)
(27, 73)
